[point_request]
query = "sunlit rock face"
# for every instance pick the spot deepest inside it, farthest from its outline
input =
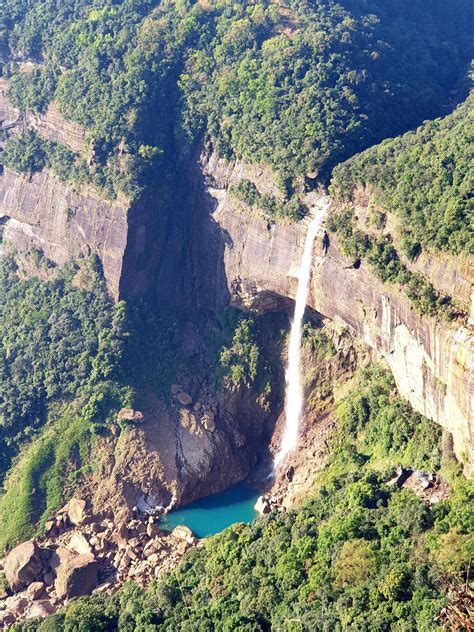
(201, 249)
(432, 361)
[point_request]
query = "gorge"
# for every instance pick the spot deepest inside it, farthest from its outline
(235, 238)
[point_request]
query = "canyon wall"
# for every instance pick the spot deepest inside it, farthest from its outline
(432, 361)
(201, 249)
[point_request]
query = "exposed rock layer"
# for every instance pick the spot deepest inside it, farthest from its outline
(432, 361)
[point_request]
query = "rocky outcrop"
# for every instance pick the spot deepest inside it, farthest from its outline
(76, 576)
(51, 125)
(53, 217)
(64, 220)
(432, 361)
(98, 556)
(23, 565)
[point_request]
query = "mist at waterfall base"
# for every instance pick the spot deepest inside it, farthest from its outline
(294, 387)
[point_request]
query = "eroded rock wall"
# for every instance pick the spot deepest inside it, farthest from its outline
(62, 222)
(432, 362)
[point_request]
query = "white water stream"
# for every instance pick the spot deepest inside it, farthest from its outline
(294, 387)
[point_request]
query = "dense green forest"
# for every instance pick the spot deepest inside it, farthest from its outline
(300, 85)
(61, 378)
(359, 555)
(70, 360)
(426, 178)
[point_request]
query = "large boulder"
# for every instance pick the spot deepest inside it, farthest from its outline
(129, 414)
(181, 532)
(76, 576)
(40, 609)
(184, 399)
(79, 543)
(76, 510)
(23, 564)
(262, 506)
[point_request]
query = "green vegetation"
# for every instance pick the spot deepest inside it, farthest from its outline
(28, 152)
(425, 178)
(359, 556)
(41, 478)
(61, 379)
(271, 208)
(57, 341)
(239, 361)
(316, 339)
(299, 87)
(384, 261)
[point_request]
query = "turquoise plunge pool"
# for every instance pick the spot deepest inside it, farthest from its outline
(210, 515)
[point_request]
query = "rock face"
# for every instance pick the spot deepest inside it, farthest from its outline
(432, 362)
(23, 564)
(50, 125)
(64, 221)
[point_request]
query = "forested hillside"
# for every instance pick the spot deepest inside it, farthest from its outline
(425, 178)
(177, 391)
(300, 85)
(360, 554)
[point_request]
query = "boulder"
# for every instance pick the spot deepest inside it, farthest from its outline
(76, 576)
(128, 414)
(262, 506)
(61, 556)
(17, 604)
(208, 421)
(79, 544)
(120, 536)
(175, 388)
(35, 590)
(181, 532)
(40, 609)
(184, 399)
(23, 564)
(77, 511)
(6, 619)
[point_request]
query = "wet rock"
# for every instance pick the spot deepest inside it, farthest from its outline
(23, 564)
(175, 388)
(76, 576)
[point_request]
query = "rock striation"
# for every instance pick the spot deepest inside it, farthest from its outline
(432, 361)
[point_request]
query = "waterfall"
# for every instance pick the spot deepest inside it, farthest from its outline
(294, 387)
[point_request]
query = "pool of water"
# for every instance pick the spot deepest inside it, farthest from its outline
(210, 515)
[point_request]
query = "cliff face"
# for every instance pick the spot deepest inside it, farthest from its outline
(52, 216)
(64, 220)
(202, 249)
(432, 362)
